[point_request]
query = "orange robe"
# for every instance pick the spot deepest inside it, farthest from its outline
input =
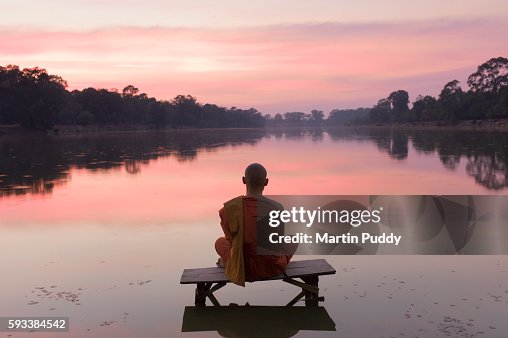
(255, 267)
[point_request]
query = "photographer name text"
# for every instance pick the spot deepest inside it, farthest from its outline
(326, 238)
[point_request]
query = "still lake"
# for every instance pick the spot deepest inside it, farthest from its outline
(98, 228)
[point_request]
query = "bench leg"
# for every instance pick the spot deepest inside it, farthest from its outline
(204, 290)
(311, 298)
(200, 294)
(310, 289)
(296, 299)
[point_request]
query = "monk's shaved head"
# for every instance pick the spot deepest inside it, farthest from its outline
(255, 175)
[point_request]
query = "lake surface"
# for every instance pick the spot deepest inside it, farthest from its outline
(98, 228)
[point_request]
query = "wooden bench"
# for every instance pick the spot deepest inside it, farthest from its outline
(209, 280)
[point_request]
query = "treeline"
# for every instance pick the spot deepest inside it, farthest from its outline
(316, 118)
(37, 100)
(487, 98)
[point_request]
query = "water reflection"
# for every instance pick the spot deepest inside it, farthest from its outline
(488, 170)
(486, 154)
(256, 321)
(37, 165)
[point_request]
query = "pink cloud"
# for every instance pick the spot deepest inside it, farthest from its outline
(272, 68)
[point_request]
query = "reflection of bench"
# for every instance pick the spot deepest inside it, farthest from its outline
(256, 321)
(308, 271)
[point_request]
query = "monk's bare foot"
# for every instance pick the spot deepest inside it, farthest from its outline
(220, 263)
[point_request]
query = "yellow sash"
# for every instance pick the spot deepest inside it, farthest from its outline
(234, 268)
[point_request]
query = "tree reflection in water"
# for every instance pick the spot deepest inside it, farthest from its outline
(37, 165)
(488, 170)
(486, 153)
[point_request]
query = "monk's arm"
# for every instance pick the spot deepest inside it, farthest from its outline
(224, 223)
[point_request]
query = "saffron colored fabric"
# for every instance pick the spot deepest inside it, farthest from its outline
(238, 246)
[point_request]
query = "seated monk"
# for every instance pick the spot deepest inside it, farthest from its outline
(239, 221)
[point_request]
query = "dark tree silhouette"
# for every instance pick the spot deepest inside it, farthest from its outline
(348, 117)
(424, 108)
(487, 98)
(30, 96)
(451, 101)
(381, 112)
(399, 102)
(38, 100)
(316, 119)
(295, 119)
(130, 91)
(490, 77)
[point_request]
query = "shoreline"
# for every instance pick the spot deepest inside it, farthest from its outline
(65, 130)
(500, 125)
(490, 125)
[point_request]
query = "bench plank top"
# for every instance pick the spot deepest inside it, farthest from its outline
(311, 267)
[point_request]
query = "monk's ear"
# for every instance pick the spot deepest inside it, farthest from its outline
(266, 182)
(243, 180)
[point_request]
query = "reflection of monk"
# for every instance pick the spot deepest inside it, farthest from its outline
(237, 250)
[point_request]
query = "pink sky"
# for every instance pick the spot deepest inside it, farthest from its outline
(310, 59)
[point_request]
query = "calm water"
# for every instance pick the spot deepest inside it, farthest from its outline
(99, 228)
